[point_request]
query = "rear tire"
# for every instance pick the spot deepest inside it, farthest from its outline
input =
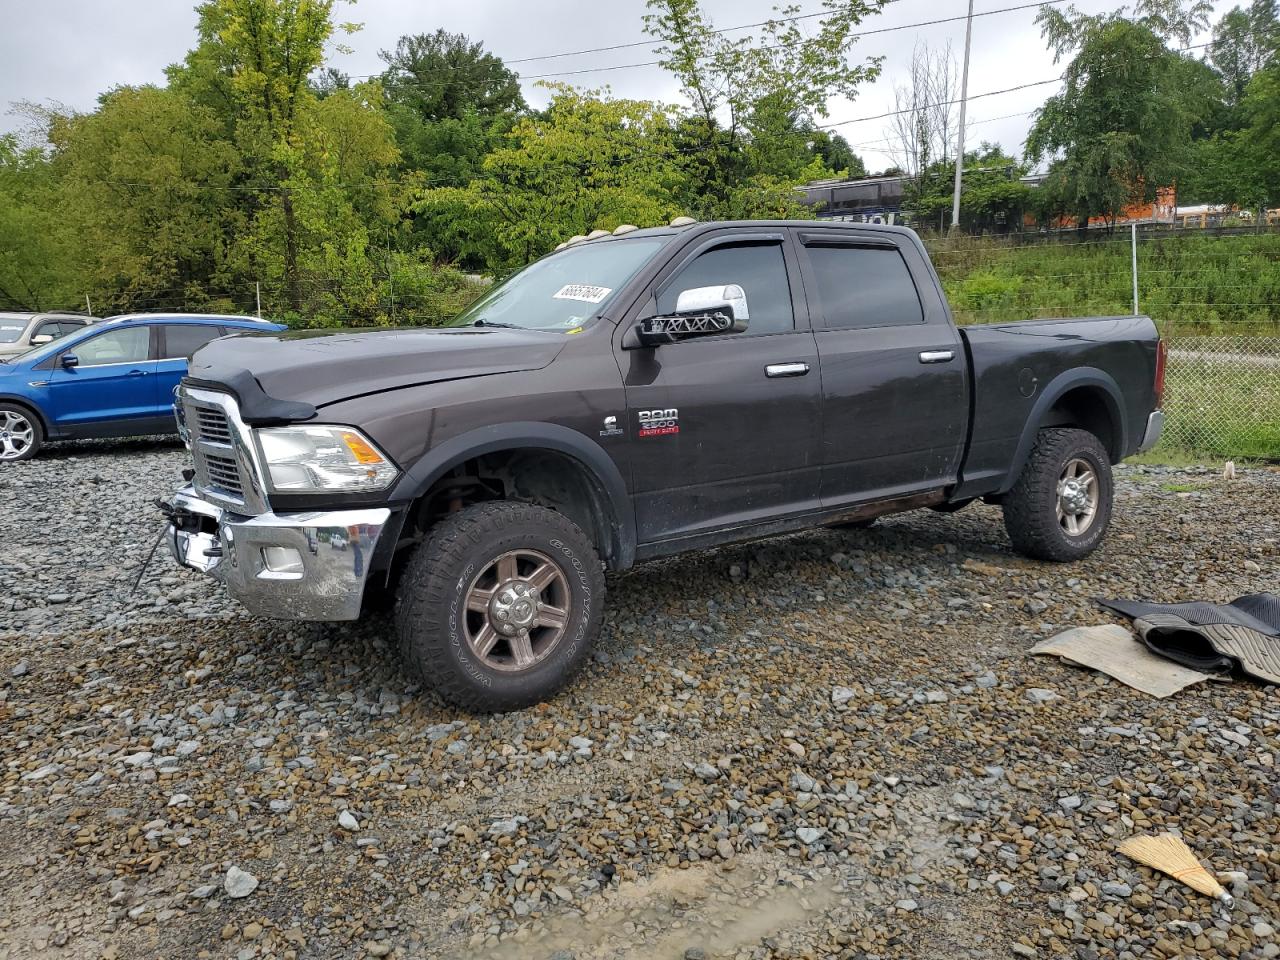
(21, 435)
(1061, 505)
(500, 606)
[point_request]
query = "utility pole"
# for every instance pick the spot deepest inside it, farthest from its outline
(964, 96)
(87, 305)
(391, 279)
(257, 291)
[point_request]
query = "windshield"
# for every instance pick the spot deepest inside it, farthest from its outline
(564, 291)
(11, 330)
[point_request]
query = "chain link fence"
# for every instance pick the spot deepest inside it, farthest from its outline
(1222, 396)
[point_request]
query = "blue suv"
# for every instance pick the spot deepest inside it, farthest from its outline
(113, 379)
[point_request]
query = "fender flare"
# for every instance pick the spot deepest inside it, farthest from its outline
(535, 435)
(1057, 388)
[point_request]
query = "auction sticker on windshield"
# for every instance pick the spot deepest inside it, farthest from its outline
(582, 291)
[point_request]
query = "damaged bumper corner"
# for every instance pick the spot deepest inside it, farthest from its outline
(1155, 427)
(295, 566)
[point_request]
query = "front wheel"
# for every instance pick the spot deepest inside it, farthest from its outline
(20, 434)
(1061, 505)
(500, 605)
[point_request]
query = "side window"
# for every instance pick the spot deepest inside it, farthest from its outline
(758, 268)
(181, 341)
(69, 326)
(864, 287)
(130, 345)
(50, 328)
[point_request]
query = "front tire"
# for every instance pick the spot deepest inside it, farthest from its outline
(21, 435)
(500, 606)
(1060, 507)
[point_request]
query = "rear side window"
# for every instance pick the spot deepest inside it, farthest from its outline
(864, 287)
(759, 269)
(182, 340)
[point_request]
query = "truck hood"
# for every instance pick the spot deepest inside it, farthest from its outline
(318, 367)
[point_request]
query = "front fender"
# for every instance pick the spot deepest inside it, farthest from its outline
(1057, 388)
(533, 435)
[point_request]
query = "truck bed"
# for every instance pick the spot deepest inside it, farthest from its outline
(1017, 369)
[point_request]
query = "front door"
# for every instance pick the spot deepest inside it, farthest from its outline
(725, 429)
(112, 387)
(894, 378)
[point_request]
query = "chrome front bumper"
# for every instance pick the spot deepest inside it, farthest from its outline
(1155, 427)
(296, 566)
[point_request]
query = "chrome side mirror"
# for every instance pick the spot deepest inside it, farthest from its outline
(700, 312)
(40, 339)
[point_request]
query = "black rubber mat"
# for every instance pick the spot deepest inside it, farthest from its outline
(1257, 611)
(1243, 634)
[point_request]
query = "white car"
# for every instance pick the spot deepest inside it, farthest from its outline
(19, 332)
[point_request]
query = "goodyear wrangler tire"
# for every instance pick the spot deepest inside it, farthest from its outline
(500, 605)
(1061, 505)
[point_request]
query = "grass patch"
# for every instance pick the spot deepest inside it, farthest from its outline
(1163, 456)
(1201, 283)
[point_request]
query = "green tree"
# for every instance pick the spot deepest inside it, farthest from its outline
(145, 187)
(261, 53)
(1119, 130)
(587, 162)
(836, 154)
(450, 103)
(992, 198)
(1244, 41)
(36, 272)
(755, 100)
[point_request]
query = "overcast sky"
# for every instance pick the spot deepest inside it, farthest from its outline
(68, 51)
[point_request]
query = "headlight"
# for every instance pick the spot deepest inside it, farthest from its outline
(323, 459)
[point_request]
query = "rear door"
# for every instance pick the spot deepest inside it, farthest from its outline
(112, 387)
(177, 342)
(894, 378)
(725, 429)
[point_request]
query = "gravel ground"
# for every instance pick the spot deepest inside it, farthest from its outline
(829, 745)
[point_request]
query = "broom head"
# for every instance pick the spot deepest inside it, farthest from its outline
(1169, 854)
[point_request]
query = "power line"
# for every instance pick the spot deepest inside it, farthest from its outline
(652, 63)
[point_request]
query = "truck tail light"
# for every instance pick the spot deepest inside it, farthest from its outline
(1162, 352)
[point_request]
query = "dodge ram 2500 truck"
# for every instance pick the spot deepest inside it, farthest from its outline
(631, 396)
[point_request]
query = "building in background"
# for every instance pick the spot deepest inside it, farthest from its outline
(868, 200)
(882, 200)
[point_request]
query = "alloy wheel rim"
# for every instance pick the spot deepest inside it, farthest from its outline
(517, 610)
(16, 435)
(1078, 496)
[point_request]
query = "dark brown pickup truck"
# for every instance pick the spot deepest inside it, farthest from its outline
(631, 396)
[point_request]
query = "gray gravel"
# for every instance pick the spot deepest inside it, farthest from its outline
(829, 745)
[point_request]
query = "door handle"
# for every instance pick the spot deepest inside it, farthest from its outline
(137, 373)
(937, 356)
(786, 370)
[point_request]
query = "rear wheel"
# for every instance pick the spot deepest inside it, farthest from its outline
(21, 435)
(1061, 505)
(500, 605)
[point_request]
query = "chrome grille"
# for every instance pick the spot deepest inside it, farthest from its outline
(223, 473)
(224, 462)
(212, 425)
